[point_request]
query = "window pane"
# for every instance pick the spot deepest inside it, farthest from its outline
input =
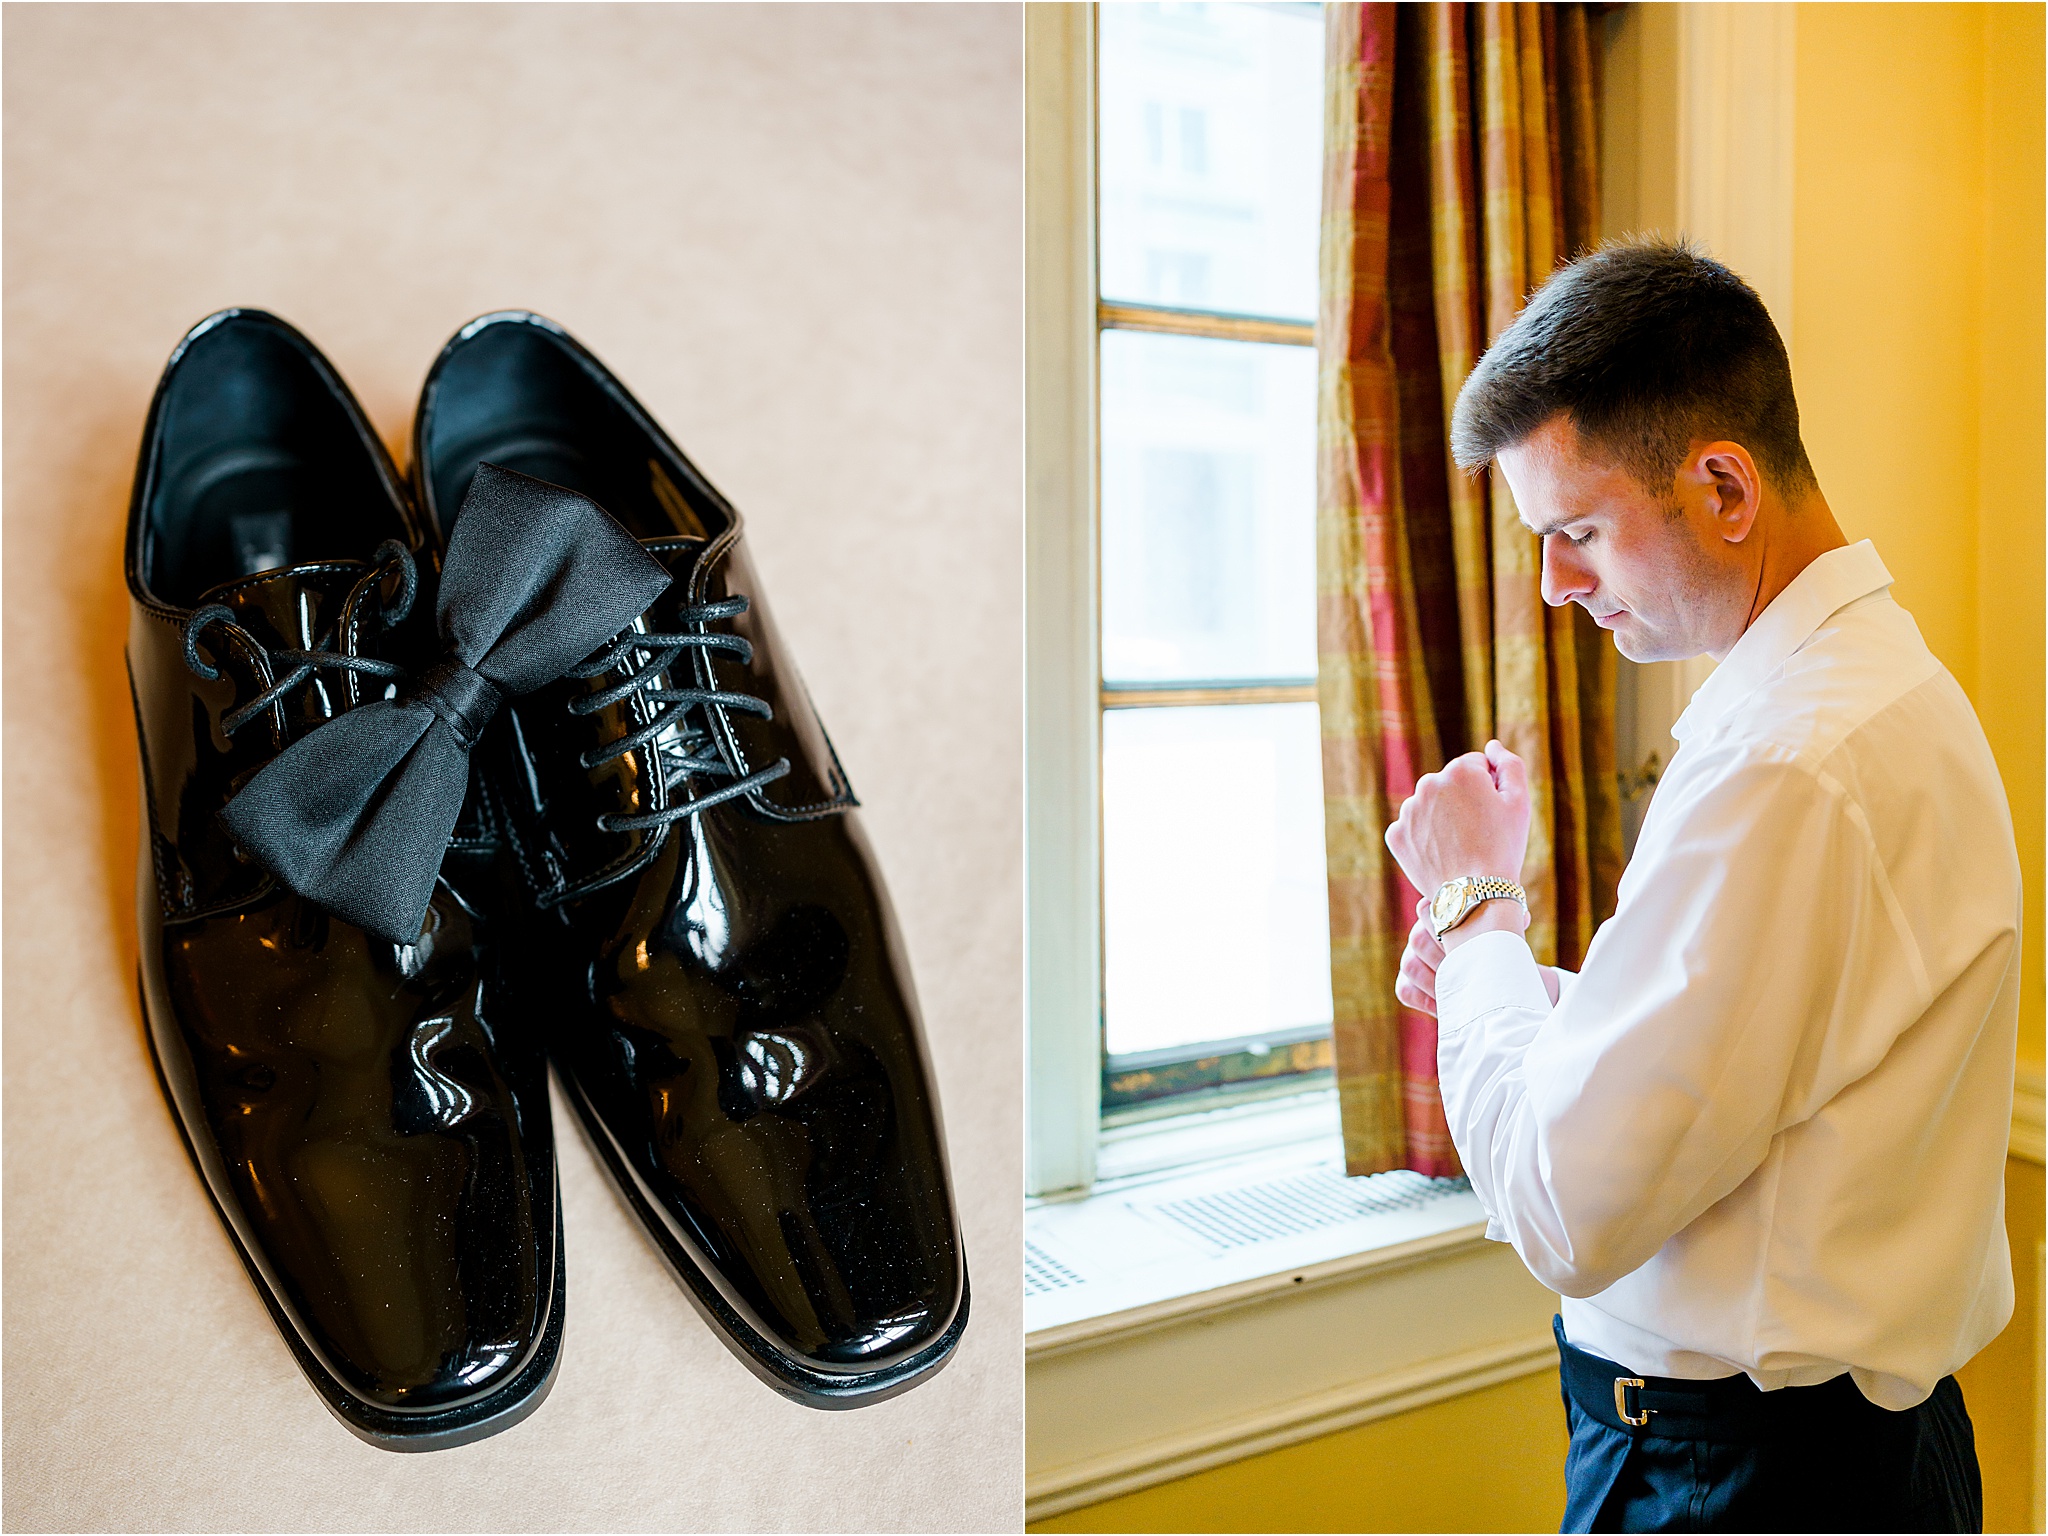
(1208, 509)
(1215, 911)
(1211, 156)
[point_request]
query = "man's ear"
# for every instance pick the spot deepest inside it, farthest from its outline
(1726, 477)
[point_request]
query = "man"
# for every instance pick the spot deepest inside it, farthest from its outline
(1758, 1142)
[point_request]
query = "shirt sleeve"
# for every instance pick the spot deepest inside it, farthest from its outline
(1754, 967)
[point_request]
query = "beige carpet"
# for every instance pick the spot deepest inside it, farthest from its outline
(796, 233)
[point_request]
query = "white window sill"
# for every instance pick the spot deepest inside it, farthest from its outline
(1192, 1310)
(1203, 1205)
(1149, 1141)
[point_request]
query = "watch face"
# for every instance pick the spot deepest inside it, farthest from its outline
(1449, 897)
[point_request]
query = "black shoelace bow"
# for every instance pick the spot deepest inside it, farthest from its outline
(672, 705)
(303, 664)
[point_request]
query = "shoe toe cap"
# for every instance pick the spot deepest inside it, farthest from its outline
(465, 1375)
(882, 1342)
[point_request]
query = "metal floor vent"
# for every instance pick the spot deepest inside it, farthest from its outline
(1303, 1202)
(1043, 1272)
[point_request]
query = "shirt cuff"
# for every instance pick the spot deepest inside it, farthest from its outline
(1486, 973)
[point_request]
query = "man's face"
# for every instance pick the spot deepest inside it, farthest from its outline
(1656, 571)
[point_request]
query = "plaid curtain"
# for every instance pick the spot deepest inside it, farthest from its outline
(1460, 167)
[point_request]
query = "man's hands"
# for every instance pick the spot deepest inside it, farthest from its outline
(1469, 818)
(1416, 986)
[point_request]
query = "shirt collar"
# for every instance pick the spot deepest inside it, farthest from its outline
(1827, 586)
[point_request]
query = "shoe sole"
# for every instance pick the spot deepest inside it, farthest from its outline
(443, 1429)
(791, 1378)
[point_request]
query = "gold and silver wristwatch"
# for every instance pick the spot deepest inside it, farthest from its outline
(1458, 899)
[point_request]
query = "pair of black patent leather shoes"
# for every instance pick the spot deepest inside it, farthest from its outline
(654, 880)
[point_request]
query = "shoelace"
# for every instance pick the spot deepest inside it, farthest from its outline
(303, 663)
(662, 652)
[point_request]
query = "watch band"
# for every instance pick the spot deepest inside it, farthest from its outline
(1458, 899)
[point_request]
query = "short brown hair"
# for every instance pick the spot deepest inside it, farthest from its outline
(1649, 346)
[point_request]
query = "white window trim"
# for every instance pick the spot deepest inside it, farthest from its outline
(1063, 722)
(1062, 817)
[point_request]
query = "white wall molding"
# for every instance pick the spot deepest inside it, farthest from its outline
(1131, 1400)
(2027, 1134)
(1063, 969)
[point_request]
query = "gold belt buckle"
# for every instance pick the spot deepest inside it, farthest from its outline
(1621, 1386)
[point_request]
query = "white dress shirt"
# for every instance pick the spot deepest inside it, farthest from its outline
(1764, 1128)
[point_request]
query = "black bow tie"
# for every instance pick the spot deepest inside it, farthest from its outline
(357, 814)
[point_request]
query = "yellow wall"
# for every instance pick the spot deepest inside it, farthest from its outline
(2002, 1384)
(2010, 526)
(1918, 337)
(1487, 1461)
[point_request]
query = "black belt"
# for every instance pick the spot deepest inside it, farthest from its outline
(1729, 1409)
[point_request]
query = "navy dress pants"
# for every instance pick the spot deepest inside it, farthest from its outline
(1724, 1456)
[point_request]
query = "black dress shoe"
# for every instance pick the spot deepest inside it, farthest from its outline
(374, 1137)
(710, 948)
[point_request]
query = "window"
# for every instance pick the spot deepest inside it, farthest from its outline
(1214, 918)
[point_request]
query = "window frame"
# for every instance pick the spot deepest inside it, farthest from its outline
(1062, 810)
(1201, 1075)
(1075, 1088)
